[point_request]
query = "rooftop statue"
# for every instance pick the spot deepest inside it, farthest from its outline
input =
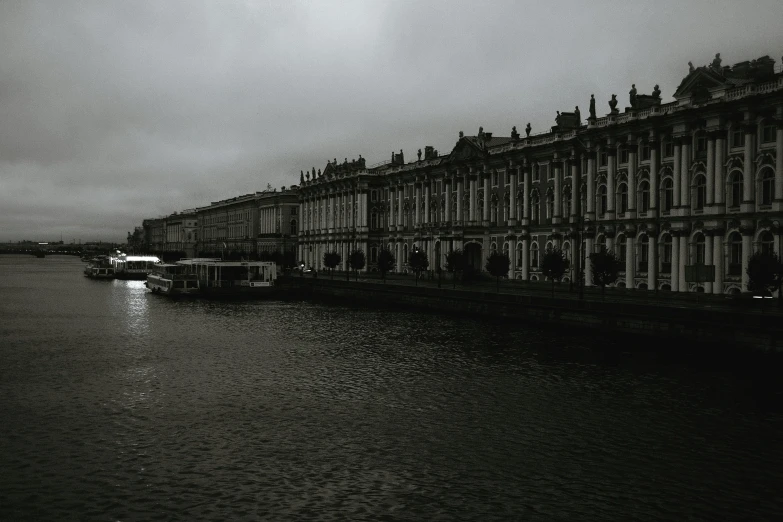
(716, 62)
(514, 133)
(528, 129)
(313, 172)
(481, 132)
(461, 134)
(301, 177)
(690, 67)
(319, 173)
(632, 95)
(419, 154)
(578, 115)
(613, 104)
(307, 176)
(592, 106)
(656, 92)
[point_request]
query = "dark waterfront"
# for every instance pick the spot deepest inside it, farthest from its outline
(121, 405)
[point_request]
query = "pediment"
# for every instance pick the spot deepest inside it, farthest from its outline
(702, 78)
(467, 149)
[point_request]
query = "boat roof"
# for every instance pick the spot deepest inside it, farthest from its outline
(140, 258)
(218, 262)
(167, 265)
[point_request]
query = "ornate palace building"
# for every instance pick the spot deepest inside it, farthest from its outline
(697, 181)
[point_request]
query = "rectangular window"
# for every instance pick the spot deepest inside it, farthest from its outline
(293, 211)
(737, 138)
(668, 149)
(495, 179)
(701, 143)
(768, 133)
(604, 159)
(624, 156)
(645, 152)
(374, 195)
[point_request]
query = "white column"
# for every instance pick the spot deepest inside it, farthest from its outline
(460, 197)
(632, 153)
(512, 254)
(576, 188)
(512, 196)
(685, 175)
(447, 184)
(629, 262)
(707, 257)
(417, 202)
(748, 173)
(392, 221)
(683, 261)
(558, 167)
(652, 262)
(779, 163)
(487, 194)
(677, 174)
(611, 174)
(746, 252)
(398, 255)
(527, 187)
(363, 209)
(710, 172)
(675, 266)
(720, 181)
(590, 186)
(473, 196)
(717, 260)
(526, 259)
(654, 166)
(588, 264)
(401, 204)
(427, 205)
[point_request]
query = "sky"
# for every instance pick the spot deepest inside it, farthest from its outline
(116, 111)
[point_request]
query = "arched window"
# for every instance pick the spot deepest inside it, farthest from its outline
(582, 201)
(520, 206)
(505, 248)
(621, 250)
(493, 248)
(534, 255)
(535, 208)
(735, 189)
(567, 202)
(766, 243)
(666, 255)
(550, 205)
(699, 192)
(506, 208)
(667, 194)
(735, 254)
(767, 186)
(644, 196)
(698, 249)
(567, 250)
(644, 248)
(600, 244)
(622, 198)
(293, 227)
(494, 206)
(601, 200)
(519, 254)
(405, 253)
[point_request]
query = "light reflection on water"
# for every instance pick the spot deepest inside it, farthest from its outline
(121, 405)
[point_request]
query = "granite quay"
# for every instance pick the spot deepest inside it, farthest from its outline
(690, 323)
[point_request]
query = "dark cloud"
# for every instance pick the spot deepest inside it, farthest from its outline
(111, 112)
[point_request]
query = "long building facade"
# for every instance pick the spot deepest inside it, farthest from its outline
(697, 181)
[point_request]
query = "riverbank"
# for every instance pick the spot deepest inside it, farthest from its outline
(709, 324)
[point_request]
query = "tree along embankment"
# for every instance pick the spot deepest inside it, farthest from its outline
(700, 328)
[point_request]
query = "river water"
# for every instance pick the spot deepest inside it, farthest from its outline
(116, 404)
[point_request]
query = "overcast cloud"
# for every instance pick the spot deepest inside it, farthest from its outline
(112, 112)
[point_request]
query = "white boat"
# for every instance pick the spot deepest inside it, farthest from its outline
(218, 278)
(133, 267)
(173, 280)
(99, 268)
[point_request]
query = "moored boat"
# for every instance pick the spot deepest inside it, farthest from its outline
(229, 279)
(133, 267)
(172, 280)
(99, 268)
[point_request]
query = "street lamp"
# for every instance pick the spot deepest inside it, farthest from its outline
(583, 221)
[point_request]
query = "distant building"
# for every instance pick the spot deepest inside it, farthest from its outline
(174, 234)
(697, 181)
(250, 224)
